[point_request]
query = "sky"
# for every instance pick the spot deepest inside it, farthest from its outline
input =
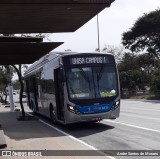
(113, 21)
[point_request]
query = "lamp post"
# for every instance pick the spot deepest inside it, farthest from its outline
(98, 33)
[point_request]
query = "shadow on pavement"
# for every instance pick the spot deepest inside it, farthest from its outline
(79, 129)
(20, 130)
(85, 129)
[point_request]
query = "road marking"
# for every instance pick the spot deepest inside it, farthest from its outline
(82, 142)
(135, 126)
(72, 137)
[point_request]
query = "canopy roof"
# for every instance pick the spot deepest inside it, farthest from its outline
(47, 16)
(40, 16)
(23, 50)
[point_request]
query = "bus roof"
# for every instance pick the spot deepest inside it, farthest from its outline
(50, 56)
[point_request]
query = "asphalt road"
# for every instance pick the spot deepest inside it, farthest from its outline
(138, 128)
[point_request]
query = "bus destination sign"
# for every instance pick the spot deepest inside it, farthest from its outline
(88, 60)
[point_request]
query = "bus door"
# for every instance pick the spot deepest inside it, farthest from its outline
(35, 92)
(59, 93)
(40, 91)
(40, 98)
(28, 93)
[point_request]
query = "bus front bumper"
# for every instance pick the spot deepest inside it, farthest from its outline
(73, 118)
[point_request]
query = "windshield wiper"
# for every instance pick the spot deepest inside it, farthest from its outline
(99, 75)
(85, 77)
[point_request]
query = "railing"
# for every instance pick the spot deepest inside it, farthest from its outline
(126, 94)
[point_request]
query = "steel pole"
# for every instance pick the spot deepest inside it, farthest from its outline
(11, 101)
(98, 33)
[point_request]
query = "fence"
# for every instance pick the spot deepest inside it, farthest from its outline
(126, 94)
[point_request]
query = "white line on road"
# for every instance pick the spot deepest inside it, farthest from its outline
(82, 142)
(134, 126)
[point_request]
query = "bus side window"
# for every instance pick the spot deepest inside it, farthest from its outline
(49, 86)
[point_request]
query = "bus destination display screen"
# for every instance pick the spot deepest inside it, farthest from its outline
(88, 60)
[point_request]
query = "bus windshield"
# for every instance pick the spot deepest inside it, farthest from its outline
(92, 82)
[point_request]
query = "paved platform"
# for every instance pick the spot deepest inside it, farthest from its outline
(35, 135)
(3, 143)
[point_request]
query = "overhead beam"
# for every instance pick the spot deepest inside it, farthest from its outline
(24, 52)
(55, 1)
(20, 39)
(47, 16)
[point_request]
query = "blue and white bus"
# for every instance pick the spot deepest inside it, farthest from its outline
(73, 87)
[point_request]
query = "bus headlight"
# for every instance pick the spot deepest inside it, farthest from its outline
(73, 109)
(116, 105)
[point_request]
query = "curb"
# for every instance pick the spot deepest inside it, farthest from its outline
(2, 140)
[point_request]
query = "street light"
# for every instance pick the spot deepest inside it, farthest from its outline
(98, 33)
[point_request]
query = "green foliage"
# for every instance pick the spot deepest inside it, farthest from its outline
(155, 82)
(16, 85)
(117, 51)
(134, 72)
(3, 79)
(145, 34)
(129, 62)
(4, 75)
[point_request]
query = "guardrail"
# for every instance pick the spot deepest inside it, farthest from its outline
(126, 94)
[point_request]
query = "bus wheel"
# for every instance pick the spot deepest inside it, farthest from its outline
(53, 114)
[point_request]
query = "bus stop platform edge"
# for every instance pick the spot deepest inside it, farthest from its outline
(34, 135)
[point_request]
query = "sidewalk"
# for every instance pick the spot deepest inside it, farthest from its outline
(34, 135)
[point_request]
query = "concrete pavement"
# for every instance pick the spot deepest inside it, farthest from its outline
(34, 135)
(3, 143)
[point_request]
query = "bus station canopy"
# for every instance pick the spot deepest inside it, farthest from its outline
(47, 16)
(40, 16)
(19, 50)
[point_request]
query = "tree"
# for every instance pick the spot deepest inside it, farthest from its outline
(4, 74)
(147, 63)
(19, 73)
(145, 34)
(155, 82)
(132, 71)
(16, 85)
(117, 51)
(129, 61)
(3, 84)
(19, 69)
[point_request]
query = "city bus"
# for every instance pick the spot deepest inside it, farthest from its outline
(72, 87)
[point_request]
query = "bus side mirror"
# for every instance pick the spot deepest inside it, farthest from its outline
(61, 75)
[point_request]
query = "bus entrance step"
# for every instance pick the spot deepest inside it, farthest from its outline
(2, 140)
